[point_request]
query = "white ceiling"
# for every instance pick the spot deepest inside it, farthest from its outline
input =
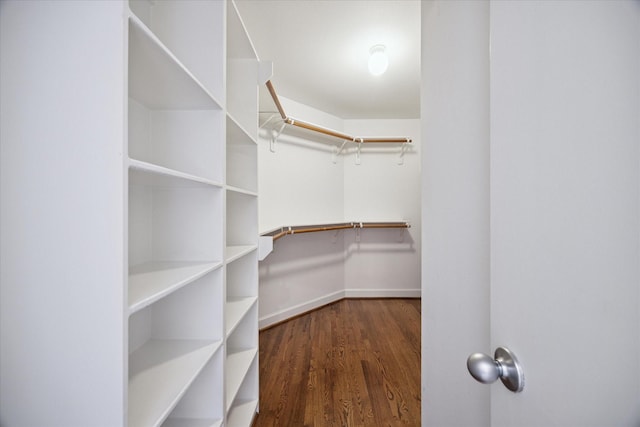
(320, 50)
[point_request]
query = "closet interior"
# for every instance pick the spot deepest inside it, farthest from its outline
(339, 214)
(313, 132)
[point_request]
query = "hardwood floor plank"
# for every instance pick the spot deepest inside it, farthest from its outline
(352, 363)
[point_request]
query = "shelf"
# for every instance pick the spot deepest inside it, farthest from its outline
(242, 219)
(160, 373)
(238, 362)
(158, 79)
(144, 173)
(245, 400)
(169, 138)
(242, 413)
(241, 362)
(238, 251)
(193, 31)
(241, 287)
(242, 191)
(173, 219)
(235, 310)
(238, 133)
(242, 75)
(243, 106)
(239, 44)
(203, 403)
(241, 158)
(151, 281)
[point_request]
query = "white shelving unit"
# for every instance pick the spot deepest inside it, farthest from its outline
(193, 233)
(129, 178)
(241, 225)
(176, 211)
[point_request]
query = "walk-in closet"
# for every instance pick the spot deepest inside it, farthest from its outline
(248, 213)
(163, 201)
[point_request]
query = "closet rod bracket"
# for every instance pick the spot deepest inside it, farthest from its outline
(275, 134)
(337, 151)
(269, 119)
(334, 238)
(403, 149)
(401, 235)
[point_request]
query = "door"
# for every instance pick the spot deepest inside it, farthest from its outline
(531, 220)
(564, 217)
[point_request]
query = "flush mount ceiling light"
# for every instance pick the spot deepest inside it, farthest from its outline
(378, 61)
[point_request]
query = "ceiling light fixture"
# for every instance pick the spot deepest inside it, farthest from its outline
(378, 61)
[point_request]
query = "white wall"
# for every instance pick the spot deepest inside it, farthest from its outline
(300, 184)
(387, 261)
(62, 360)
(455, 215)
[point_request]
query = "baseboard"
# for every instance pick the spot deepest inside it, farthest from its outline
(382, 293)
(296, 310)
(288, 313)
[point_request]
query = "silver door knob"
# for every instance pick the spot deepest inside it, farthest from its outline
(504, 365)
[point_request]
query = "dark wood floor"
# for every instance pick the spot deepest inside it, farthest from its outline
(352, 363)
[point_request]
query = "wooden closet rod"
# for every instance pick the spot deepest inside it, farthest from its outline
(275, 98)
(280, 234)
(309, 126)
(325, 131)
(384, 225)
(311, 229)
(284, 231)
(325, 228)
